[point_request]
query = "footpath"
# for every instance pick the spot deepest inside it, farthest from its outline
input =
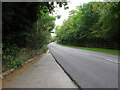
(44, 73)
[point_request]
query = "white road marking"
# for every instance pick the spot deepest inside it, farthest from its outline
(101, 57)
(112, 61)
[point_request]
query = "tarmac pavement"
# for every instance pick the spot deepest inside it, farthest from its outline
(45, 73)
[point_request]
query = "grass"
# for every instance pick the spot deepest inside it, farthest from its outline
(117, 52)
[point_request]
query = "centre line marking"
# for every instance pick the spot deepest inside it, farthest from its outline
(112, 61)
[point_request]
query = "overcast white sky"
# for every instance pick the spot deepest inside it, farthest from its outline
(72, 4)
(65, 13)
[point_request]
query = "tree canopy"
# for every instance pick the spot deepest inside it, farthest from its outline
(26, 28)
(93, 22)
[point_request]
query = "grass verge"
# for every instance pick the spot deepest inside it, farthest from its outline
(117, 52)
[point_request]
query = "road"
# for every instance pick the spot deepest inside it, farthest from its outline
(89, 69)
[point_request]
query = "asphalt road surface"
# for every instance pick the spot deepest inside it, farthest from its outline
(89, 69)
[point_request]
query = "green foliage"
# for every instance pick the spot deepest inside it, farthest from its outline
(16, 63)
(94, 22)
(26, 30)
(10, 62)
(53, 38)
(58, 16)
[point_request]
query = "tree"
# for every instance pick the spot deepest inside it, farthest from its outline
(94, 22)
(26, 29)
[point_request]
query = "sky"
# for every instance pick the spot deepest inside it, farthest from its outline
(72, 4)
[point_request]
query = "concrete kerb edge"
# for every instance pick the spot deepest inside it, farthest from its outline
(11, 70)
(67, 72)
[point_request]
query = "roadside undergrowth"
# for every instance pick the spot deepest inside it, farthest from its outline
(20, 57)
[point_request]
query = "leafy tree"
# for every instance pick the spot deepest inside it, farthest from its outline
(26, 30)
(94, 22)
